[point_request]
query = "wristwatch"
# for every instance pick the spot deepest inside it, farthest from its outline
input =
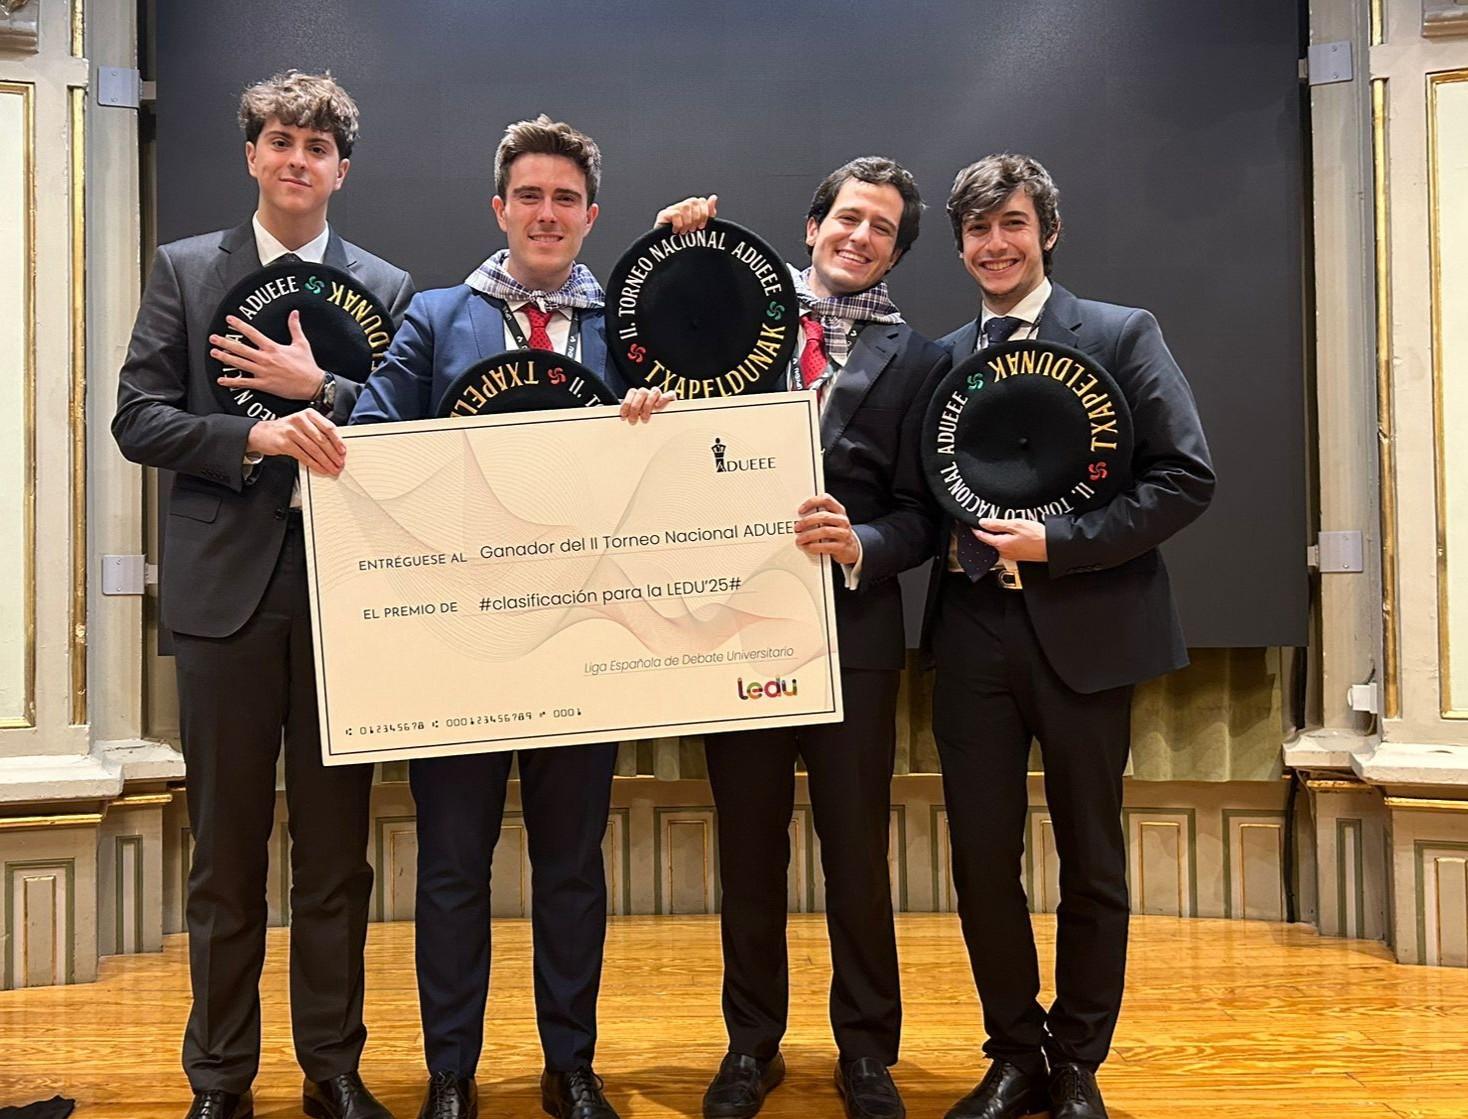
(325, 400)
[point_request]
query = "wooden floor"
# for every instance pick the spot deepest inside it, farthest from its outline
(1223, 1020)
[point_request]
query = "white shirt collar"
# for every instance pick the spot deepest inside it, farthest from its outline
(312, 252)
(1027, 309)
(519, 308)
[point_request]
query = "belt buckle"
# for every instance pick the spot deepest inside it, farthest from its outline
(1009, 579)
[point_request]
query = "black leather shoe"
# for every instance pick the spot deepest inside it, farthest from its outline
(867, 1090)
(1073, 1093)
(341, 1097)
(1006, 1092)
(216, 1104)
(574, 1095)
(450, 1097)
(738, 1089)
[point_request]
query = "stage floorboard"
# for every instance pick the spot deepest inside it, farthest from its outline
(1223, 1020)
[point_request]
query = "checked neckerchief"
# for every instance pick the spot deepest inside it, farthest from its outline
(841, 316)
(580, 291)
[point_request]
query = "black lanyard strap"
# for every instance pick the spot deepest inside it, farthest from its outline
(573, 341)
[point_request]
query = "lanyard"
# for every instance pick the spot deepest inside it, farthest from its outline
(573, 341)
(821, 383)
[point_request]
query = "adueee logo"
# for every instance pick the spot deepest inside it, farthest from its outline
(725, 465)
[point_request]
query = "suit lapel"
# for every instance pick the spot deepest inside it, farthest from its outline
(338, 254)
(1061, 318)
(873, 350)
(487, 317)
(238, 256)
(964, 341)
(594, 344)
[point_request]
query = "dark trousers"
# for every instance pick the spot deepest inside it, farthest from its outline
(565, 793)
(995, 691)
(237, 695)
(849, 773)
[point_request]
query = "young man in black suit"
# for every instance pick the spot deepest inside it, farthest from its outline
(874, 375)
(1052, 653)
(234, 595)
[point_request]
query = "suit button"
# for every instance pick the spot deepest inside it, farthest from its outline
(280, 514)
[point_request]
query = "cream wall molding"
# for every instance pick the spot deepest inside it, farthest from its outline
(103, 775)
(1447, 187)
(1404, 67)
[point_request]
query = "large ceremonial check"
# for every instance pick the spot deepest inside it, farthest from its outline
(555, 578)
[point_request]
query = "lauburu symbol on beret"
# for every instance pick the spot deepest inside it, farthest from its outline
(975, 382)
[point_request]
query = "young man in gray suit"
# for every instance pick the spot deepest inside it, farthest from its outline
(234, 595)
(1053, 655)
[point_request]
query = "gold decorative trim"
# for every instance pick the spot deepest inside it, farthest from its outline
(141, 800)
(1386, 427)
(27, 823)
(1378, 23)
(1336, 784)
(27, 92)
(1444, 652)
(78, 402)
(78, 28)
(1426, 804)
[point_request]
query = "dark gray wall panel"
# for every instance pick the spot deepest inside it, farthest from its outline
(1174, 130)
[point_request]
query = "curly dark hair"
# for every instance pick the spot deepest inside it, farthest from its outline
(313, 101)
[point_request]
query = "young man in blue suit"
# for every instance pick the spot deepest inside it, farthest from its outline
(1053, 655)
(532, 294)
(873, 375)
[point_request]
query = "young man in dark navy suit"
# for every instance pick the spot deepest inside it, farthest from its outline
(1048, 645)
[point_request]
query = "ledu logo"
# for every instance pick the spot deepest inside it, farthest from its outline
(723, 464)
(768, 689)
